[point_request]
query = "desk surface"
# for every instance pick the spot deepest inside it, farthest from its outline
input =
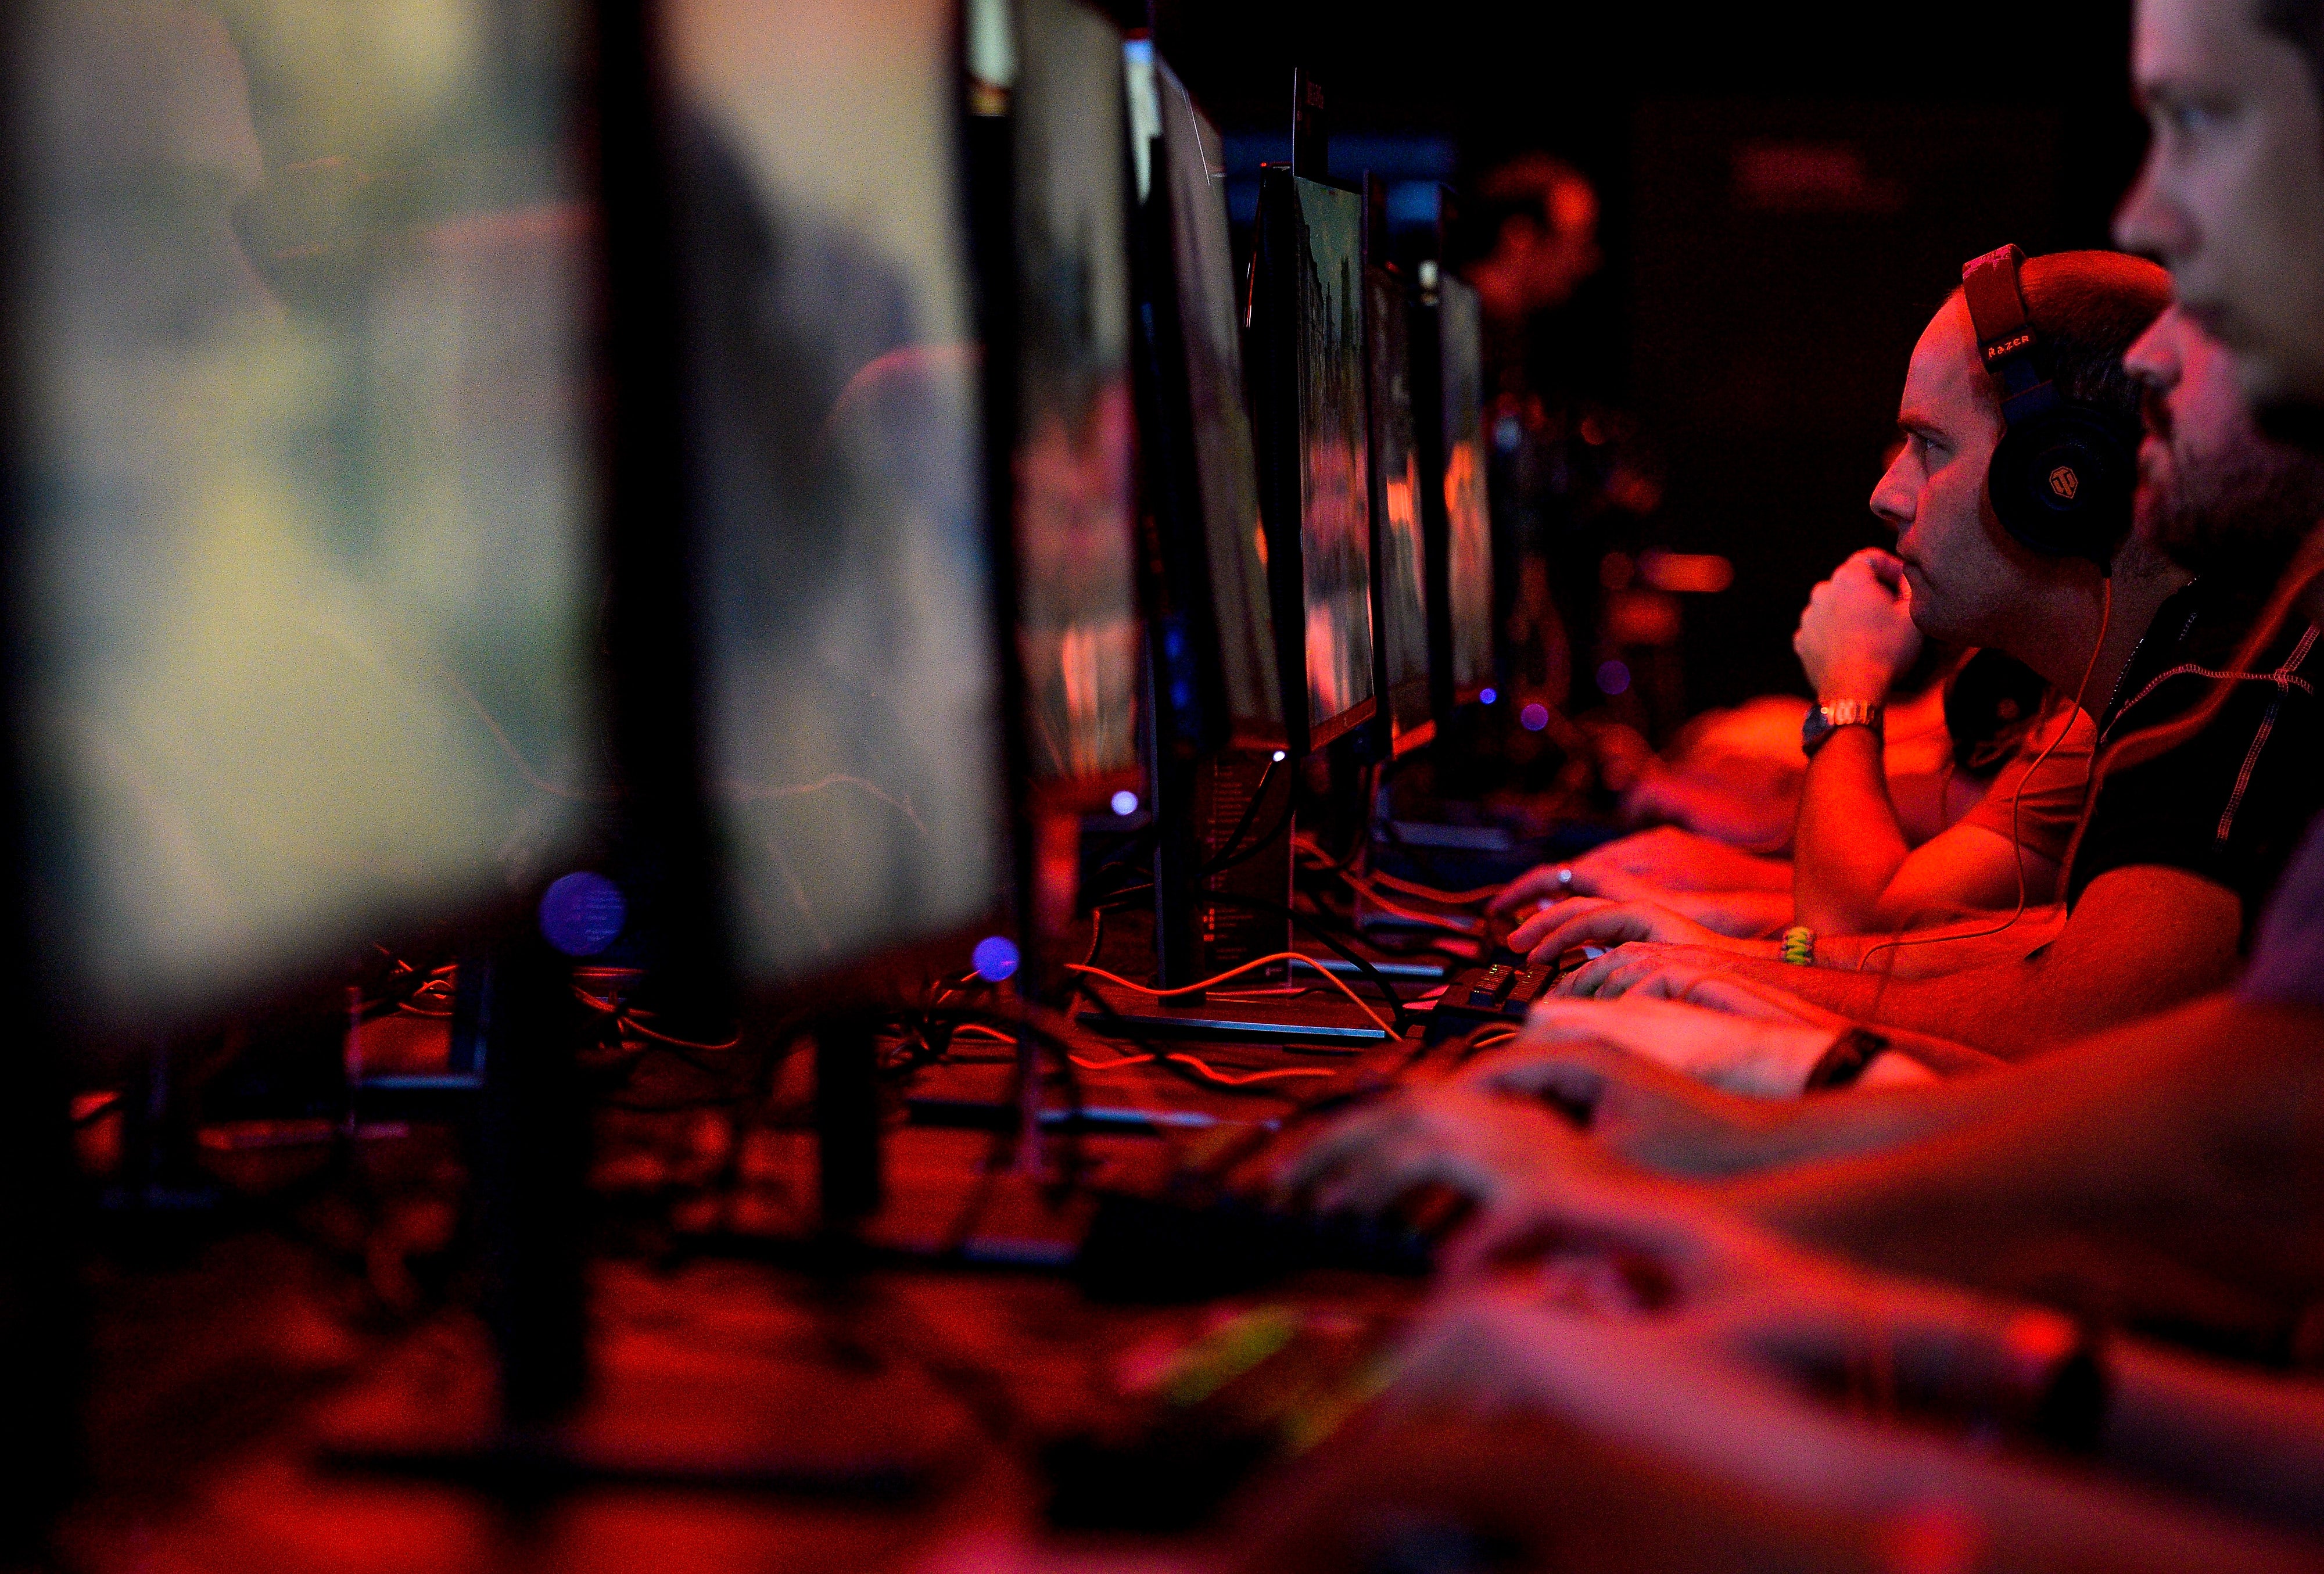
(227, 1377)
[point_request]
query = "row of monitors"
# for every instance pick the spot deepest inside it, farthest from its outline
(308, 586)
(1289, 567)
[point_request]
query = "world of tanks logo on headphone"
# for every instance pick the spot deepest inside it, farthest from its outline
(2065, 482)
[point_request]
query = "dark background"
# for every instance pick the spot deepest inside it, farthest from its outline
(1755, 312)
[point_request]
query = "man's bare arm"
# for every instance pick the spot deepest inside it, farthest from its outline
(1853, 874)
(2168, 1169)
(1964, 869)
(1847, 845)
(2141, 940)
(1974, 940)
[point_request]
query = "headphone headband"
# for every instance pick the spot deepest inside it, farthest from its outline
(1997, 315)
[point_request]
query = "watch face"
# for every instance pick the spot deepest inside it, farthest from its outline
(1814, 729)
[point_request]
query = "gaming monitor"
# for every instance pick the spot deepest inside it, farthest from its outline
(1219, 798)
(1225, 480)
(1467, 576)
(1399, 604)
(306, 541)
(850, 661)
(1311, 409)
(1076, 527)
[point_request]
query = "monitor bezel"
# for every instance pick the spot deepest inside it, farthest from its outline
(1392, 738)
(770, 1009)
(1430, 416)
(1466, 694)
(1274, 345)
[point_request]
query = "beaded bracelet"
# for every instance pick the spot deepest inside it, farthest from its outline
(1798, 946)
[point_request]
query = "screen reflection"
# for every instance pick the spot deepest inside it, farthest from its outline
(1209, 312)
(852, 663)
(1403, 634)
(1334, 495)
(1079, 628)
(1469, 573)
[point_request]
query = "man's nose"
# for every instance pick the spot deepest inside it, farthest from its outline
(2149, 221)
(1892, 503)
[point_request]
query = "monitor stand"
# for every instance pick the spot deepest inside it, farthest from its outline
(523, 1402)
(1235, 823)
(42, 1313)
(1248, 791)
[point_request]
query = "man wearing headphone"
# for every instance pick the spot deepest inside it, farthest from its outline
(2167, 1169)
(2181, 1139)
(2011, 498)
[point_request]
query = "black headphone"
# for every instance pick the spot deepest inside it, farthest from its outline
(2063, 477)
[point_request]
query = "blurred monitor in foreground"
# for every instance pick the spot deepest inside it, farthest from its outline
(853, 762)
(1078, 627)
(307, 568)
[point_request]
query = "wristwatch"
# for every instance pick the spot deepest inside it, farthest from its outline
(1825, 720)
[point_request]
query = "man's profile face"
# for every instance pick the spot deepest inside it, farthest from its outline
(2213, 494)
(1965, 576)
(2231, 199)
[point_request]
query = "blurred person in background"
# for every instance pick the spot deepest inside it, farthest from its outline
(1567, 479)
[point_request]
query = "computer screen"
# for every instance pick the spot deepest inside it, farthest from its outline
(852, 668)
(1079, 625)
(1210, 327)
(1334, 495)
(307, 567)
(1309, 382)
(1469, 548)
(1400, 606)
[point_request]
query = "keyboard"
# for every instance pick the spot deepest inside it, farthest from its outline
(1168, 1434)
(1501, 992)
(1193, 1246)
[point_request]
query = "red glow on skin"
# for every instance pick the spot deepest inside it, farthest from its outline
(2034, 1343)
(1930, 1538)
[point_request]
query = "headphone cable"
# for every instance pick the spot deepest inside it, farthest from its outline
(2017, 798)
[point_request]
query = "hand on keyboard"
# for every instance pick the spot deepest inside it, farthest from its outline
(1474, 1144)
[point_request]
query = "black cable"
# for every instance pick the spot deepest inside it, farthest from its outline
(1060, 1039)
(1300, 921)
(1219, 862)
(1403, 1023)
(1257, 796)
(1160, 1058)
(1349, 857)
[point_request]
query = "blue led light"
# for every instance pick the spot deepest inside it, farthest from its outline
(1533, 717)
(1279, 757)
(1125, 803)
(1613, 678)
(1488, 696)
(582, 914)
(995, 957)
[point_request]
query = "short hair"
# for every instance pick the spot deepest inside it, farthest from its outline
(2087, 308)
(2300, 24)
(1540, 186)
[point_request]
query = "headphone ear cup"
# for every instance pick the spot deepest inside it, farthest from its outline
(2061, 484)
